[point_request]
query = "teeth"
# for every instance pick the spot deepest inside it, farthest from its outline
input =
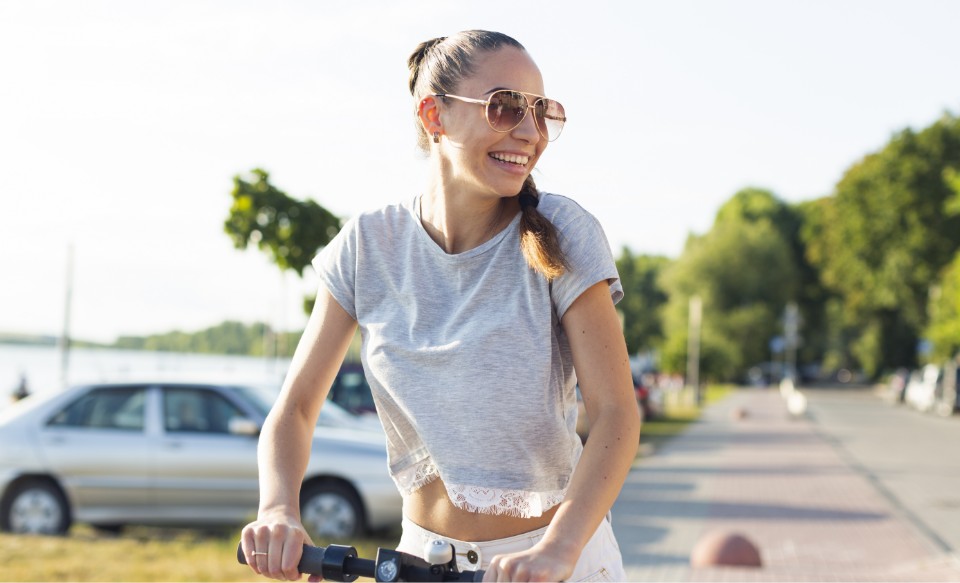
(511, 158)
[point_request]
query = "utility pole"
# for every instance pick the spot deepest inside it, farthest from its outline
(65, 335)
(791, 328)
(693, 346)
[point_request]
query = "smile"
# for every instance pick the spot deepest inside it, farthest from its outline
(511, 158)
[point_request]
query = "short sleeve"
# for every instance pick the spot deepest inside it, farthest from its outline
(336, 266)
(589, 262)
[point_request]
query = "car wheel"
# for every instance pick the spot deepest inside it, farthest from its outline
(35, 507)
(331, 510)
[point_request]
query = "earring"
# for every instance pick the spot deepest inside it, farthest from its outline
(436, 137)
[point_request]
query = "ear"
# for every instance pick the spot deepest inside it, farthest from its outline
(429, 113)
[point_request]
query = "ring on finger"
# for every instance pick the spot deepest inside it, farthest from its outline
(258, 553)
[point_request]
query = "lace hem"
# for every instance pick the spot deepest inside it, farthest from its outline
(413, 478)
(518, 503)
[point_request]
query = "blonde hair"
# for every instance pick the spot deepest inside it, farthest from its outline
(438, 66)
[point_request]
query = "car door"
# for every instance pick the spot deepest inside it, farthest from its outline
(98, 446)
(203, 472)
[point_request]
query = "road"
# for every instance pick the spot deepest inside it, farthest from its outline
(913, 459)
(855, 489)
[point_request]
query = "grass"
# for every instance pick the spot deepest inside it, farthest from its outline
(680, 410)
(140, 554)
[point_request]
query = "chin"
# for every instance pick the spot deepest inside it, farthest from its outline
(509, 188)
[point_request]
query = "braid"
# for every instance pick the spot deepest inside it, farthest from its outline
(539, 240)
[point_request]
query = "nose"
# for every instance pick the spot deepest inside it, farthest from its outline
(527, 130)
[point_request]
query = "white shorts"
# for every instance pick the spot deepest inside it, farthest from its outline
(599, 561)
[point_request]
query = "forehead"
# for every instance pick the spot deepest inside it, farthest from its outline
(505, 68)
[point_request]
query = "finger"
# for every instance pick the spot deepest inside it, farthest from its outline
(499, 566)
(261, 551)
(275, 557)
(249, 544)
(490, 574)
(290, 557)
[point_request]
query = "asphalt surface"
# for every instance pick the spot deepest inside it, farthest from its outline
(855, 489)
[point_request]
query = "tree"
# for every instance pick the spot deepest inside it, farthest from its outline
(745, 273)
(643, 299)
(944, 329)
(289, 230)
(886, 234)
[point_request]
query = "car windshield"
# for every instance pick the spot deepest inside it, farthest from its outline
(261, 398)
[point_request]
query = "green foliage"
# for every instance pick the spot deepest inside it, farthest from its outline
(226, 338)
(883, 238)
(944, 328)
(951, 176)
(643, 299)
(289, 230)
(745, 272)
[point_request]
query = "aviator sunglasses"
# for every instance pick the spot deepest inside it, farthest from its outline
(506, 109)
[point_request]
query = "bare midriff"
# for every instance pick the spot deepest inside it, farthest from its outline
(431, 508)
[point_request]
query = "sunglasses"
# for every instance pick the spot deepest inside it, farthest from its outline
(506, 109)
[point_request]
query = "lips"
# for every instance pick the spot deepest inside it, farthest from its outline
(518, 159)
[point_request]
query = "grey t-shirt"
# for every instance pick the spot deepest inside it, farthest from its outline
(470, 370)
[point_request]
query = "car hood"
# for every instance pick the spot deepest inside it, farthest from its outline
(26, 410)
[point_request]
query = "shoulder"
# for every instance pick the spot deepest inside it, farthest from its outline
(384, 219)
(563, 211)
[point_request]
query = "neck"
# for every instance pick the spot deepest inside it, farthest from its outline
(458, 220)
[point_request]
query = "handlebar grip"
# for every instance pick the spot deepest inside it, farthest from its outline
(311, 562)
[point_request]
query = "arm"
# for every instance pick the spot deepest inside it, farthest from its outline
(603, 370)
(284, 448)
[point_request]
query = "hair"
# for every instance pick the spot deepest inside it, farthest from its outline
(438, 66)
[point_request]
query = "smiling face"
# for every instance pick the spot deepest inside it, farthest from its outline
(473, 155)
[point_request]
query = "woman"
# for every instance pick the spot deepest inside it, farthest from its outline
(476, 301)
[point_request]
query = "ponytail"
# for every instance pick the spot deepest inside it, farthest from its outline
(417, 58)
(539, 240)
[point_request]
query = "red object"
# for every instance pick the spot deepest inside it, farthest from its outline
(727, 549)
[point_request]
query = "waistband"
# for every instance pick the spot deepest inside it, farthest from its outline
(470, 555)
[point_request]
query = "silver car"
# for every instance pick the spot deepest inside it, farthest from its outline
(175, 454)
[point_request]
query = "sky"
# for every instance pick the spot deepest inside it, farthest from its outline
(122, 125)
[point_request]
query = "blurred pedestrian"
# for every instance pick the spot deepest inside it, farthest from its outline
(476, 300)
(23, 390)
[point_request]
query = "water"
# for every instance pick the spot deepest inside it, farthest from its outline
(42, 368)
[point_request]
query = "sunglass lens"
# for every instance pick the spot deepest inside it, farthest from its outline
(506, 110)
(550, 118)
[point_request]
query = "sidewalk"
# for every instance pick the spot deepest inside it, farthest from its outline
(775, 480)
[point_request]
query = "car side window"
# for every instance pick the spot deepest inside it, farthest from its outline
(198, 411)
(351, 391)
(113, 408)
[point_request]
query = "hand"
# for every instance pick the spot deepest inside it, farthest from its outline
(273, 545)
(539, 563)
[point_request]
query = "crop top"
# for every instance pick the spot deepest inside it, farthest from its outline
(471, 372)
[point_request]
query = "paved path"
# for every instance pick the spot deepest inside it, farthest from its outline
(776, 480)
(911, 457)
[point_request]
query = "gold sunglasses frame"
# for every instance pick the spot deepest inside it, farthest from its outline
(530, 106)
